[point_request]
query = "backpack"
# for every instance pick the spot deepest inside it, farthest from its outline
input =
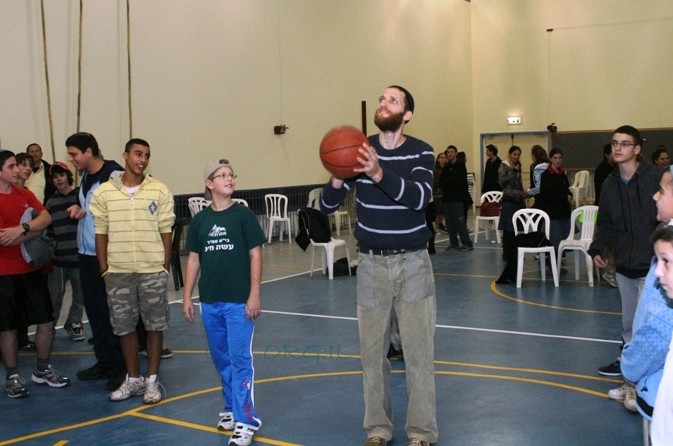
(313, 225)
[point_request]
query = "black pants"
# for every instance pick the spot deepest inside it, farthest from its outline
(106, 345)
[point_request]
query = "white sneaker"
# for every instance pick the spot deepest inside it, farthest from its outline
(619, 393)
(226, 422)
(243, 434)
(128, 389)
(630, 398)
(152, 391)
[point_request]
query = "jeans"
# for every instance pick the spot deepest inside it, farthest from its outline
(57, 280)
(456, 225)
(629, 291)
(405, 283)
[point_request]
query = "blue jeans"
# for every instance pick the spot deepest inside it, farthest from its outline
(454, 215)
(405, 283)
(229, 334)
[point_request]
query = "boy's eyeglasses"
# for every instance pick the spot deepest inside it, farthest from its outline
(226, 176)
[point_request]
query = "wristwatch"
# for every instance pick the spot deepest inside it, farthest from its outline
(26, 228)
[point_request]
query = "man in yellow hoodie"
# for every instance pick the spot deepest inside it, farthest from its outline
(133, 216)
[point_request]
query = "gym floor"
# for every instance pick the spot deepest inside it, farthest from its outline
(513, 366)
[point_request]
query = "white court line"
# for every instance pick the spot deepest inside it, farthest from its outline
(457, 327)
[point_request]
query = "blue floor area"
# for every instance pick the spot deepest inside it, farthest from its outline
(513, 367)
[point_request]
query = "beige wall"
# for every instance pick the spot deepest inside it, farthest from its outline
(210, 78)
(607, 63)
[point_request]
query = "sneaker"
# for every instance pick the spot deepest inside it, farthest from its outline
(50, 377)
(165, 353)
(417, 442)
(613, 369)
(152, 391)
(128, 389)
(15, 387)
(28, 347)
(617, 394)
(76, 332)
(376, 441)
(96, 371)
(630, 398)
(243, 434)
(466, 248)
(226, 422)
(448, 248)
(610, 278)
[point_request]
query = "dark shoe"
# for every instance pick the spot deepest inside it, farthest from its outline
(97, 371)
(115, 381)
(394, 354)
(165, 353)
(29, 347)
(466, 248)
(452, 248)
(504, 281)
(431, 250)
(614, 369)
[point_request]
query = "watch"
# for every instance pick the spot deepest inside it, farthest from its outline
(26, 228)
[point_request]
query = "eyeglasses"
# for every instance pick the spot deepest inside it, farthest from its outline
(226, 176)
(622, 144)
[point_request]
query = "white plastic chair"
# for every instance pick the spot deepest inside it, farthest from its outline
(581, 244)
(314, 198)
(276, 211)
(470, 190)
(526, 221)
(241, 201)
(580, 187)
(328, 255)
(197, 204)
(493, 196)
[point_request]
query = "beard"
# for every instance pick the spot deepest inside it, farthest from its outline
(391, 123)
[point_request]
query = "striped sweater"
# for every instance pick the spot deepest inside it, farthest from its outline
(133, 224)
(63, 229)
(390, 214)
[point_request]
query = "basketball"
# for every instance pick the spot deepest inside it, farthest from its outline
(339, 150)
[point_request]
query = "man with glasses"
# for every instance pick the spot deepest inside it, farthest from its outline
(627, 216)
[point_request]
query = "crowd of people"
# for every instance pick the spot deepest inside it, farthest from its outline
(121, 293)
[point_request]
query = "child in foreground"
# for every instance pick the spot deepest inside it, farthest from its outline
(224, 243)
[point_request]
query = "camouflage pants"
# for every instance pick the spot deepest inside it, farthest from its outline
(133, 295)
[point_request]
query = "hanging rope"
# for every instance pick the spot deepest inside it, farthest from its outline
(79, 69)
(128, 64)
(46, 76)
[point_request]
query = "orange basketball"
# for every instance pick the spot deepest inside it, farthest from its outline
(339, 150)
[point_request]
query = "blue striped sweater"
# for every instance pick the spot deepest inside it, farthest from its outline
(390, 214)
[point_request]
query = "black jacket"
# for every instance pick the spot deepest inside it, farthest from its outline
(453, 182)
(554, 193)
(491, 176)
(627, 215)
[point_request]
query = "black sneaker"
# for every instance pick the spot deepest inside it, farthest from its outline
(614, 369)
(452, 248)
(394, 354)
(165, 353)
(97, 371)
(466, 248)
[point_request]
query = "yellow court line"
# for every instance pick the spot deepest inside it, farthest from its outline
(136, 412)
(527, 380)
(495, 290)
(525, 370)
(209, 429)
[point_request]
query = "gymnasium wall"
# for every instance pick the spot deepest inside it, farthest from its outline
(606, 63)
(211, 78)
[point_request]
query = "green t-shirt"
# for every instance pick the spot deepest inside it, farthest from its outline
(223, 240)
